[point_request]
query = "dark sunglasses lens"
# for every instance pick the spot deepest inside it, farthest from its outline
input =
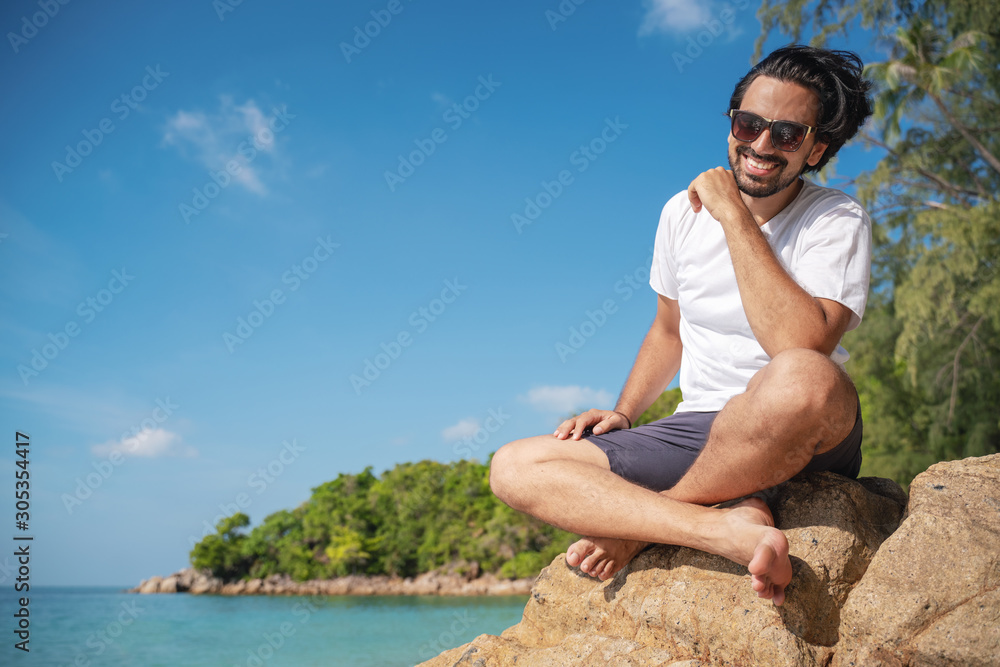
(787, 136)
(747, 127)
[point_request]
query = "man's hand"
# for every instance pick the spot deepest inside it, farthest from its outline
(598, 421)
(716, 190)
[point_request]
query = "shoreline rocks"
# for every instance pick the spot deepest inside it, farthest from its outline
(873, 585)
(194, 582)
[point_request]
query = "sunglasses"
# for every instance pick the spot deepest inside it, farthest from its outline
(785, 135)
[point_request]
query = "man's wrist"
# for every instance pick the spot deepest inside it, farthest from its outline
(619, 412)
(737, 214)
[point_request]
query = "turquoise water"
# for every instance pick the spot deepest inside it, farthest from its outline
(103, 626)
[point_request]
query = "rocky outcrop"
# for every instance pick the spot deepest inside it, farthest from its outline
(868, 589)
(931, 595)
(429, 583)
(151, 585)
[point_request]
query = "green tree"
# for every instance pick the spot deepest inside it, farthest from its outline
(221, 552)
(663, 406)
(346, 552)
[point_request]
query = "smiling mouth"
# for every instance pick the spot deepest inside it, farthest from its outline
(757, 166)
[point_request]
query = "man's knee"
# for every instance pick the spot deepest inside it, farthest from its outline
(513, 463)
(503, 469)
(804, 380)
(806, 386)
(509, 465)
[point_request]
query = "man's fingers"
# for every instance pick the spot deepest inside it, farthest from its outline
(570, 423)
(599, 421)
(693, 197)
(605, 425)
(570, 427)
(574, 427)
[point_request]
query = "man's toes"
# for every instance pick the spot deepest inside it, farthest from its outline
(578, 551)
(763, 557)
(768, 590)
(608, 571)
(591, 562)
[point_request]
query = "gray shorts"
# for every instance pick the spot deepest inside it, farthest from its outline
(657, 455)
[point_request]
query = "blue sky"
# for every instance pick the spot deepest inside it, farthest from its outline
(246, 248)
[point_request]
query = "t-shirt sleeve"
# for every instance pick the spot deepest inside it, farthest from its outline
(663, 272)
(834, 261)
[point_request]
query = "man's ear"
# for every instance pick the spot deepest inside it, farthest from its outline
(816, 153)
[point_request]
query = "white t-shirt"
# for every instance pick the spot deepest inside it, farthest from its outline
(822, 238)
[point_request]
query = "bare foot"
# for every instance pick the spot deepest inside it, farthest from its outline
(602, 557)
(754, 541)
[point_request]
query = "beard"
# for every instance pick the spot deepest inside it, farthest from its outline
(760, 186)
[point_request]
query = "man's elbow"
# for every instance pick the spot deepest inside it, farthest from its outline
(817, 342)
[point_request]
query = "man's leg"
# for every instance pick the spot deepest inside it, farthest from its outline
(754, 444)
(799, 405)
(563, 483)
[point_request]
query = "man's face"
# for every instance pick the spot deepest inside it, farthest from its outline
(762, 170)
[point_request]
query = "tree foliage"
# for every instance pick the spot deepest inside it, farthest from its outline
(414, 518)
(663, 406)
(222, 552)
(927, 355)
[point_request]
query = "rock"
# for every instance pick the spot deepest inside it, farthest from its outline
(203, 584)
(151, 585)
(448, 582)
(673, 604)
(576, 650)
(864, 593)
(233, 588)
(427, 583)
(185, 578)
(931, 595)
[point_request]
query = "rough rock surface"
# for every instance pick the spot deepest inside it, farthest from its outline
(863, 592)
(931, 595)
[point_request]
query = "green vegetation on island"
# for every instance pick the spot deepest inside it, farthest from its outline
(414, 518)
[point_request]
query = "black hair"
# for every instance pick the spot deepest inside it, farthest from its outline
(837, 79)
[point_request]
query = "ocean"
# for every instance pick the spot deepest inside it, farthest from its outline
(86, 627)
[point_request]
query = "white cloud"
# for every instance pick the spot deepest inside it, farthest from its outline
(150, 443)
(564, 400)
(465, 428)
(674, 16)
(215, 139)
(257, 124)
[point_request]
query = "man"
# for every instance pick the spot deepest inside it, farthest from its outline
(758, 275)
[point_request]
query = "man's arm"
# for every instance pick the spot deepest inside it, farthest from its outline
(655, 366)
(781, 314)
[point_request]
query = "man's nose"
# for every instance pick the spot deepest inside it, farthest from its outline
(762, 145)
